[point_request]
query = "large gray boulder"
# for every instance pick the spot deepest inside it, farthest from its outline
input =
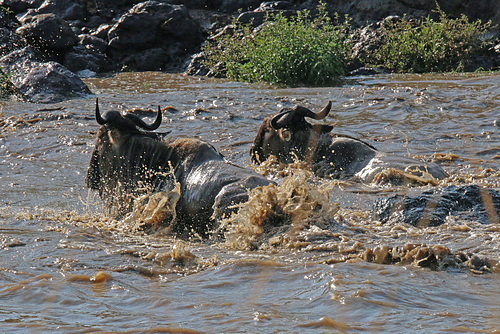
(89, 55)
(42, 82)
(153, 32)
(82, 58)
(48, 32)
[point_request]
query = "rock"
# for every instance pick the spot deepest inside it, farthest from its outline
(91, 24)
(154, 25)
(366, 41)
(9, 41)
(7, 19)
(195, 66)
(178, 25)
(272, 5)
(196, 4)
(147, 60)
(431, 208)
(162, 34)
(89, 54)
(135, 30)
(85, 57)
(102, 31)
(110, 10)
(368, 71)
(484, 10)
(48, 33)
(419, 4)
(66, 9)
(94, 42)
(257, 18)
(86, 73)
(209, 20)
(20, 6)
(479, 63)
(265, 9)
(364, 12)
(487, 60)
(231, 6)
(43, 82)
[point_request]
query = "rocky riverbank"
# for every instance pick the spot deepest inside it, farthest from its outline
(47, 46)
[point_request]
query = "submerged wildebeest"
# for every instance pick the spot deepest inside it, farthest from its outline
(289, 136)
(129, 158)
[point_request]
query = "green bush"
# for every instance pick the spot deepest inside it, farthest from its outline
(297, 51)
(429, 46)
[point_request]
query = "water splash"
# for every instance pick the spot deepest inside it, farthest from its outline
(155, 211)
(277, 209)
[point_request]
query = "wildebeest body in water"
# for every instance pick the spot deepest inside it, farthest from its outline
(129, 160)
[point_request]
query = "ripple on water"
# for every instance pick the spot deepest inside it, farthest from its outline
(67, 267)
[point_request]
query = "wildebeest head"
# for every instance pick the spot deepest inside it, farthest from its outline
(112, 141)
(288, 134)
(130, 122)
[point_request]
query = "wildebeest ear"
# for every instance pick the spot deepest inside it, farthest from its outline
(284, 134)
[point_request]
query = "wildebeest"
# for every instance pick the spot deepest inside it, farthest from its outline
(288, 136)
(130, 159)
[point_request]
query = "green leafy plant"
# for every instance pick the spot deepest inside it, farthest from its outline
(297, 51)
(6, 10)
(429, 46)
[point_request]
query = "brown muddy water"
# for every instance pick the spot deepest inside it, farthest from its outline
(67, 268)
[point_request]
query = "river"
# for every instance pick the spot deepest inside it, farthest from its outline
(67, 268)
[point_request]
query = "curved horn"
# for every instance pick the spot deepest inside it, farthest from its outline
(157, 121)
(98, 116)
(140, 123)
(317, 116)
(323, 113)
(277, 123)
